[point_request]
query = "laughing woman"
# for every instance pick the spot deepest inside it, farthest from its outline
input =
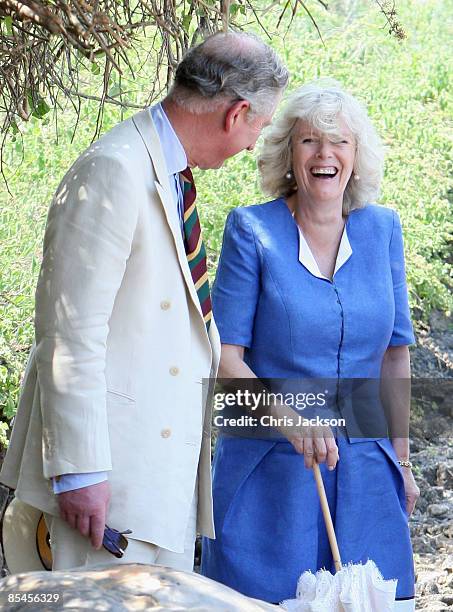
(312, 285)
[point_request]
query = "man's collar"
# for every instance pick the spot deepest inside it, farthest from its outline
(174, 154)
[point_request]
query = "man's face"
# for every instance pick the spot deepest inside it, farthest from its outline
(237, 133)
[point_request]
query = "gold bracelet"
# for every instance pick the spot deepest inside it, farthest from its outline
(407, 464)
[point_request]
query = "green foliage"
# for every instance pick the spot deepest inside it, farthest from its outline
(404, 84)
(8, 21)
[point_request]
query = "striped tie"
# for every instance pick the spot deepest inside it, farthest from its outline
(195, 249)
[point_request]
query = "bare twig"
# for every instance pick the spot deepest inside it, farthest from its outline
(312, 19)
(388, 9)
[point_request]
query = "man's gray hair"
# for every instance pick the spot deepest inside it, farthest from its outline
(227, 67)
(321, 104)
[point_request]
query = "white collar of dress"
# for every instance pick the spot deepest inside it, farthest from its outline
(307, 259)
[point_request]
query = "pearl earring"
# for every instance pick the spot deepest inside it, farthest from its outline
(289, 175)
(356, 177)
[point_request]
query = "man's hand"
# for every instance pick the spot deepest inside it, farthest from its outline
(318, 443)
(85, 509)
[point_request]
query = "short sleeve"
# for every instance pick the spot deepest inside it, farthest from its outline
(402, 329)
(236, 288)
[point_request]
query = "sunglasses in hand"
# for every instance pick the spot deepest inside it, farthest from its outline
(115, 541)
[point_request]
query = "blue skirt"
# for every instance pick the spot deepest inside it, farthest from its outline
(269, 524)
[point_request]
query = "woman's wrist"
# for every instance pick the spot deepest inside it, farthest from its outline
(401, 448)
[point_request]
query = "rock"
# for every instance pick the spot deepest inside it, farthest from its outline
(422, 546)
(428, 495)
(427, 581)
(432, 454)
(448, 530)
(446, 409)
(439, 322)
(438, 510)
(444, 476)
(439, 490)
(430, 473)
(119, 588)
(416, 445)
(432, 606)
(448, 564)
(430, 588)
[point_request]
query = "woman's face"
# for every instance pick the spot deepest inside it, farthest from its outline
(322, 163)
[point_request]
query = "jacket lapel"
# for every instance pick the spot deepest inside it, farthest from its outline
(144, 124)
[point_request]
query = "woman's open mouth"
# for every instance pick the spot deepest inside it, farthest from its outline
(324, 172)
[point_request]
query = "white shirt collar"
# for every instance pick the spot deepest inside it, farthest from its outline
(174, 154)
(307, 259)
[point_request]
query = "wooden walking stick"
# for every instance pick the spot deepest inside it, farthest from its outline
(327, 518)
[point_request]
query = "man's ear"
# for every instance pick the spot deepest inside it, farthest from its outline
(235, 113)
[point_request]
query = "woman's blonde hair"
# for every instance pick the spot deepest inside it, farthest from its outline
(321, 104)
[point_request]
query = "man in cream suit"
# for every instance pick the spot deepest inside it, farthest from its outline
(113, 425)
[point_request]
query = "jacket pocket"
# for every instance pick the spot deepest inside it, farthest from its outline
(119, 395)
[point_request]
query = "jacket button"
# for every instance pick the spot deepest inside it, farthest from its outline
(174, 371)
(165, 433)
(165, 305)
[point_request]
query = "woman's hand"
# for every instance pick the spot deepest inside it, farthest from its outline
(411, 489)
(318, 443)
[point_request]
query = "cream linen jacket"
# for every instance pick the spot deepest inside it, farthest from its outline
(114, 380)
